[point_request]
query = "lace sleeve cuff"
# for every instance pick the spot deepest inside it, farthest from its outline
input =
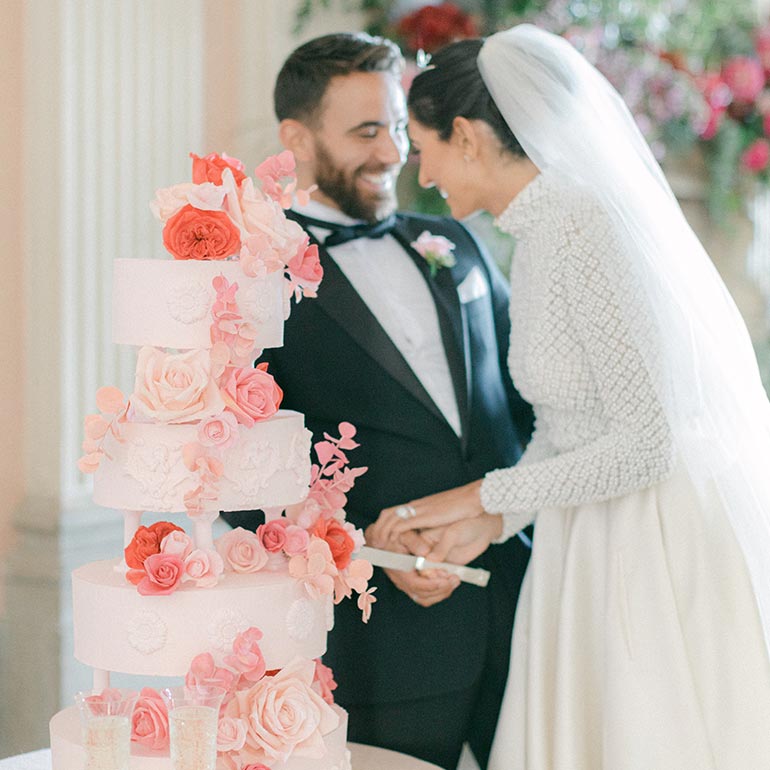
(512, 522)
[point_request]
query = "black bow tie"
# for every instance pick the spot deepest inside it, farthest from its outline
(343, 233)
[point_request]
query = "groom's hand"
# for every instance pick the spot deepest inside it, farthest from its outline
(425, 588)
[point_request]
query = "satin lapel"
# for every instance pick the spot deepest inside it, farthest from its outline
(453, 324)
(339, 300)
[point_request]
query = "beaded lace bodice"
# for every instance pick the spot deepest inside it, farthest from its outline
(577, 336)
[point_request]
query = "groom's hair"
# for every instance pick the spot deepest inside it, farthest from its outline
(452, 87)
(302, 82)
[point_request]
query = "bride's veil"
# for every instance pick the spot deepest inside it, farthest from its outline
(570, 120)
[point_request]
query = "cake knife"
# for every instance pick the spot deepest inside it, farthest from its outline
(408, 561)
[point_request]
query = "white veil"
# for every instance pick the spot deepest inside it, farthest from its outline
(569, 119)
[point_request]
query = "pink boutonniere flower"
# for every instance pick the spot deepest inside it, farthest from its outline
(436, 250)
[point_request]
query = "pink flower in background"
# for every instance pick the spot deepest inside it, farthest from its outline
(757, 155)
(247, 657)
(204, 671)
(210, 168)
(177, 543)
(323, 680)
(163, 575)
(251, 394)
(745, 78)
(231, 734)
(272, 535)
(203, 567)
(175, 387)
(285, 715)
(763, 47)
(218, 431)
(149, 722)
(242, 551)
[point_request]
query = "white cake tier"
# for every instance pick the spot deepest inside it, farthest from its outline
(118, 629)
(167, 302)
(144, 471)
(68, 754)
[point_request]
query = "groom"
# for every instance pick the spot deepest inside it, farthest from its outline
(416, 361)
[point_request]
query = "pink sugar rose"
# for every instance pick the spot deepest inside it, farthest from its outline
(285, 715)
(163, 576)
(231, 734)
(149, 722)
(220, 431)
(242, 551)
(273, 535)
(247, 657)
(305, 266)
(204, 671)
(253, 766)
(297, 540)
(177, 543)
(251, 394)
(745, 78)
(175, 387)
(203, 567)
(757, 155)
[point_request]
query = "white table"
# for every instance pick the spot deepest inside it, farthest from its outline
(364, 758)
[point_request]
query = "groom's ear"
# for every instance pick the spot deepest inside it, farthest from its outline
(465, 136)
(298, 138)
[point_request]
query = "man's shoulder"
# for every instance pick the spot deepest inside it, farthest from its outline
(415, 223)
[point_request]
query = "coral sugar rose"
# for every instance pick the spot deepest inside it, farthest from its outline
(251, 394)
(197, 234)
(339, 541)
(210, 168)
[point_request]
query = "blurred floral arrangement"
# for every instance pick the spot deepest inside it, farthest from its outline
(696, 76)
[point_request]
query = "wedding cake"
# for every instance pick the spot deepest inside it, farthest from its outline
(201, 432)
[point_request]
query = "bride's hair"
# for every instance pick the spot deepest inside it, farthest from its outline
(452, 87)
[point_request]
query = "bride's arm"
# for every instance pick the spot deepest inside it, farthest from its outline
(606, 317)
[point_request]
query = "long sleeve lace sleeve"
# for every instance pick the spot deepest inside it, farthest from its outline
(631, 448)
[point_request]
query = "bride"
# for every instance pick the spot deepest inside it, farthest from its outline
(641, 639)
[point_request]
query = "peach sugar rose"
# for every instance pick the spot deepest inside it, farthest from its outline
(175, 387)
(149, 721)
(284, 714)
(194, 233)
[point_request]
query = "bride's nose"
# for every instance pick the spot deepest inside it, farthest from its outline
(424, 178)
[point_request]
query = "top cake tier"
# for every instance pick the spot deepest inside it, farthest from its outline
(168, 303)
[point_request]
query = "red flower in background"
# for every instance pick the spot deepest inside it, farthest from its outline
(433, 26)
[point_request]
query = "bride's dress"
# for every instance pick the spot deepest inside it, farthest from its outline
(637, 643)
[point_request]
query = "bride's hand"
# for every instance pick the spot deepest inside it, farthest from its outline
(464, 540)
(437, 510)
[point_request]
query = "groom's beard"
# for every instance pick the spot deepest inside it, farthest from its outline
(340, 186)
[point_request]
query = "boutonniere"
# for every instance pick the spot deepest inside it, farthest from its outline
(436, 250)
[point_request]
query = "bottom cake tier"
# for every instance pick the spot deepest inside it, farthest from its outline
(68, 754)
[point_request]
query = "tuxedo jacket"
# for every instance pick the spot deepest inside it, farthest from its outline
(338, 364)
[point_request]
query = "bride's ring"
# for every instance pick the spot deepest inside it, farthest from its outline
(405, 511)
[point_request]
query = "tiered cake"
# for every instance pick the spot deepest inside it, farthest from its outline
(203, 432)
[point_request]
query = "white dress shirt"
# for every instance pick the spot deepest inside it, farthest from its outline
(394, 290)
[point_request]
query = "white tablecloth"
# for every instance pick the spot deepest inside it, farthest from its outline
(364, 758)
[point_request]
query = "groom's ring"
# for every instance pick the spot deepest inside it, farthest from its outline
(405, 511)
